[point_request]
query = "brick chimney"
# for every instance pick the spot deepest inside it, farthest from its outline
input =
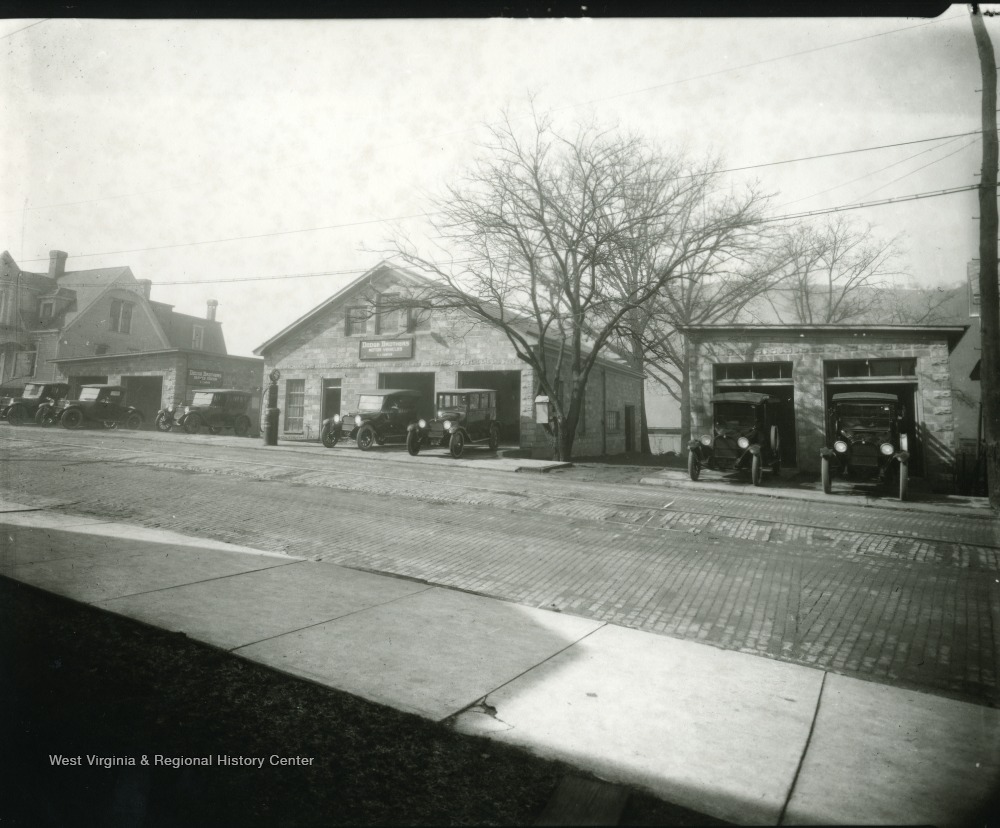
(213, 305)
(57, 264)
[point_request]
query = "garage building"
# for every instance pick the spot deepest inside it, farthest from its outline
(342, 347)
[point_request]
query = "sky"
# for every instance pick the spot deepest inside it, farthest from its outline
(265, 164)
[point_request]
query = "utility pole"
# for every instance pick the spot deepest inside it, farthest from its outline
(989, 288)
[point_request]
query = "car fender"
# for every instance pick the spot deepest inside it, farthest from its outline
(754, 450)
(694, 445)
(828, 453)
(133, 410)
(902, 456)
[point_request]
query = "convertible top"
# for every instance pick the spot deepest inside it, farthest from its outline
(752, 397)
(865, 396)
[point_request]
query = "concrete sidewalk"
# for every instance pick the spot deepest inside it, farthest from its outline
(740, 737)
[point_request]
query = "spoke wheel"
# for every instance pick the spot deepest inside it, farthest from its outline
(694, 467)
(43, 417)
(192, 424)
(164, 423)
(366, 438)
(824, 471)
(756, 473)
(413, 443)
(72, 418)
(456, 445)
(16, 415)
(133, 421)
(904, 479)
(330, 436)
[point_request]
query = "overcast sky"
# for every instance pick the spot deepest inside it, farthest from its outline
(219, 141)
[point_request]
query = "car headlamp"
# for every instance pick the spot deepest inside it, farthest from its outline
(440, 414)
(743, 443)
(422, 423)
(447, 425)
(706, 439)
(840, 446)
(336, 418)
(172, 408)
(357, 419)
(886, 449)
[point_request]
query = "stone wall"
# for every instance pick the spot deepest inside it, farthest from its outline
(933, 400)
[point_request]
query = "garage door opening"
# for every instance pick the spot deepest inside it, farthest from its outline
(906, 393)
(507, 384)
(145, 393)
(782, 415)
(418, 381)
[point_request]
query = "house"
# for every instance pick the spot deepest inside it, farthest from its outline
(100, 325)
(340, 348)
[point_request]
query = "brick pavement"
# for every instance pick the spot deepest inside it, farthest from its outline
(918, 611)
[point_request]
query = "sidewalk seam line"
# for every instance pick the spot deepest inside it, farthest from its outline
(805, 749)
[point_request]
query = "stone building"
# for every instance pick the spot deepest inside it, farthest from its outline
(804, 365)
(341, 348)
(100, 325)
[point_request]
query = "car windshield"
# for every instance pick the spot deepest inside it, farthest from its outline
(89, 393)
(451, 401)
(876, 416)
(734, 415)
(370, 403)
(32, 390)
(203, 398)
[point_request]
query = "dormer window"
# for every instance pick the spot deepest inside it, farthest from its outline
(46, 310)
(121, 316)
(197, 337)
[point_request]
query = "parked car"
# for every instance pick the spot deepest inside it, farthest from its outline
(466, 416)
(35, 396)
(744, 436)
(380, 416)
(103, 404)
(865, 440)
(213, 408)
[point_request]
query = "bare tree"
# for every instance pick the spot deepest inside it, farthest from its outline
(531, 241)
(833, 273)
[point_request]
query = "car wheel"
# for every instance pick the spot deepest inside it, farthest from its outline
(110, 425)
(366, 438)
(413, 443)
(694, 467)
(72, 418)
(43, 417)
(241, 427)
(755, 470)
(192, 424)
(133, 421)
(494, 438)
(904, 479)
(330, 436)
(456, 445)
(824, 473)
(164, 423)
(16, 416)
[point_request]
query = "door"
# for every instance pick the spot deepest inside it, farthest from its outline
(507, 385)
(331, 398)
(629, 428)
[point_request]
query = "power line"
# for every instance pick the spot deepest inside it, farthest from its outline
(861, 206)
(36, 23)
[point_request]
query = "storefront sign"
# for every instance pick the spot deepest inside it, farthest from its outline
(204, 379)
(386, 348)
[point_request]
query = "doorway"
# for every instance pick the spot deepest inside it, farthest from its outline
(507, 384)
(906, 393)
(782, 415)
(331, 399)
(417, 381)
(144, 393)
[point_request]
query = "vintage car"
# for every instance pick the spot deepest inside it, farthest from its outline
(865, 441)
(36, 397)
(380, 416)
(213, 408)
(102, 404)
(743, 436)
(466, 416)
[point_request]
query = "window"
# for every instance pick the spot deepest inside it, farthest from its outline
(121, 316)
(198, 337)
(418, 319)
(3, 305)
(840, 368)
(753, 371)
(357, 321)
(614, 421)
(24, 362)
(46, 310)
(389, 314)
(295, 404)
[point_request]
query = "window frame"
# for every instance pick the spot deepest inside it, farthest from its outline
(197, 337)
(614, 417)
(298, 394)
(121, 322)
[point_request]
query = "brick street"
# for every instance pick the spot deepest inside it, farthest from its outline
(910, 598)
